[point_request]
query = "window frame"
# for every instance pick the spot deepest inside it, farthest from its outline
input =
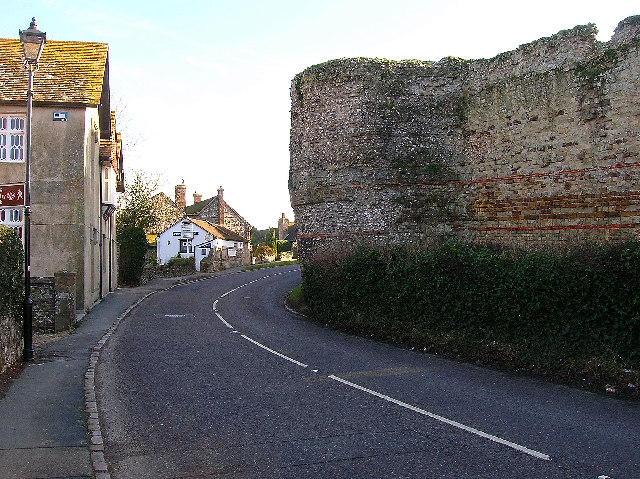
(12, 138)
(13, 218)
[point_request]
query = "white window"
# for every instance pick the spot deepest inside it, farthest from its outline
(108, 186)
(11, 138)
(186, 246)
(13, 218)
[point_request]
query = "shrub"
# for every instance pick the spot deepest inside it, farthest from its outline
(262, 251)
(11, 265)
(533, 308)
(133, 247)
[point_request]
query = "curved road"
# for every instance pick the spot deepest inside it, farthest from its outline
(216, 379)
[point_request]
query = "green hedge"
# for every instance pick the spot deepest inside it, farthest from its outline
(531, 307)
(131, 256)
(11, 271)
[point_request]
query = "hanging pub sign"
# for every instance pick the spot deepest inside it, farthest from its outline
(12, 195)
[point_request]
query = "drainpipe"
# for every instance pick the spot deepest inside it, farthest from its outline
(100, 232)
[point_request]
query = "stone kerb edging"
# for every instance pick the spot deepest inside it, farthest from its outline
(96, 445)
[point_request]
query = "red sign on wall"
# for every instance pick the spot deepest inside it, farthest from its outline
(11, 195)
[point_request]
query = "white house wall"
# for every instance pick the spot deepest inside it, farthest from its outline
(168, 243)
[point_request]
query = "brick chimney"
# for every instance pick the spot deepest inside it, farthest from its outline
(220, 206)
(181, 196)
(197, 198)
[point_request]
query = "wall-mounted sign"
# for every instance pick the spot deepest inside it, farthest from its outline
(11, 195)
(59, 116)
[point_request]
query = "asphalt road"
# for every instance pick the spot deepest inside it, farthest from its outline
(216, 379)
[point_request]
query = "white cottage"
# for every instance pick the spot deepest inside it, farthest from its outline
(197, 238)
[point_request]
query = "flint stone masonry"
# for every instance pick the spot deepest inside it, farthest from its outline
(11, 341)
(537, 146)
(219, 260)
(54, 302)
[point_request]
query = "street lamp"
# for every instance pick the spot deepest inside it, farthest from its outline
(33, 41)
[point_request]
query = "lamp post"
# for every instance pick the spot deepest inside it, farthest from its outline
(32, 41)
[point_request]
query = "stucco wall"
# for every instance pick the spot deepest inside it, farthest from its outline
(535, 146)
(66, 229)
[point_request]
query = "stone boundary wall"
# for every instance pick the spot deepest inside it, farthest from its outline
(535, 147)
(219, 260)
(44, 304)
(54, 302)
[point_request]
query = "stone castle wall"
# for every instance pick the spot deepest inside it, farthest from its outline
(535, 146)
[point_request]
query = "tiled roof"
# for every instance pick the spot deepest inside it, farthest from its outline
(196, 208)
(70, 72)
(219, 231)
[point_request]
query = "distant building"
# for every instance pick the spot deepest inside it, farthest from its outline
(286, 229)
(283, 226)
(167, 211)
(213, 210)
(217, 211)
(192, 238)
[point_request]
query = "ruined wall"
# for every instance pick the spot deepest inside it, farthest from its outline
(535, 146)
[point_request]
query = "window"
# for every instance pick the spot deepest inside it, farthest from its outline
(11, 138)
(13, 218)
(106, 186)
(186, 246)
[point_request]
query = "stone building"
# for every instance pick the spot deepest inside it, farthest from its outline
(283, 227)
(286, 229)
(170, 211)
(217, 211)
(76, 162)
(537, 146)
(199, 239)
(167, 211)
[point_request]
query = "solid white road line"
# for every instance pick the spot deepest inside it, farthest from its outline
(472, 430)
(274, 352)
(223, 321)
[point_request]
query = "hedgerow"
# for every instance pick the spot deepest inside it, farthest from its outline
(558, 314)
(11, 264)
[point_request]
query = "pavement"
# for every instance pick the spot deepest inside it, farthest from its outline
(49, 427)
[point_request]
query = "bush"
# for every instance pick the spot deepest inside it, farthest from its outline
(11, 274)
(133, 247)
(527, 308)
(263, 251)
(283, 246)
(179, 261)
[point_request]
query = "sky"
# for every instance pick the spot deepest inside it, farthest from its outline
(202, 88)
